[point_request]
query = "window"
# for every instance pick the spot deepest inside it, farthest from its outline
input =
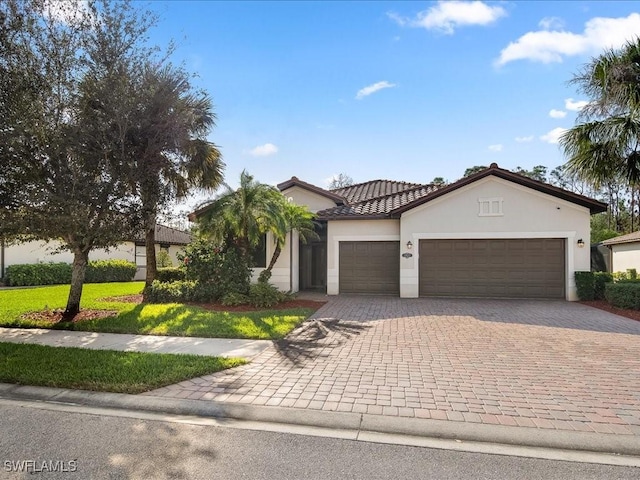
(259, 254)
(490, 207)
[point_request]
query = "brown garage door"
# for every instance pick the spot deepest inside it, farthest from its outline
(370, 267)
(517, 268)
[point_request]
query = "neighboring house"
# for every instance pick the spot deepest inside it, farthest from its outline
(167, 238)
(624, 251)
(492, 234)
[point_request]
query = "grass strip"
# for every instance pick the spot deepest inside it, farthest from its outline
(102, 370)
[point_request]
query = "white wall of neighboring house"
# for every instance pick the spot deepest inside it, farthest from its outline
(625, 256)
(44, 252)
(354, 231)
(526, 213)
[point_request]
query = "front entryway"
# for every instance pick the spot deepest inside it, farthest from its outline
(313, 261)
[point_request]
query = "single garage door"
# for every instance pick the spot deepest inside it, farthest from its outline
(370, 267)
(517, 268)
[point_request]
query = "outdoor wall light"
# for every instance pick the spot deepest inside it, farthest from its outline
(580, 243)
(409, 245)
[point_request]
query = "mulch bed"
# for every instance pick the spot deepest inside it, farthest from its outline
(603, 305)
(55, 316)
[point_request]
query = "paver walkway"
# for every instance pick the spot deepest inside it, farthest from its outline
(540, 364)
(223, 347)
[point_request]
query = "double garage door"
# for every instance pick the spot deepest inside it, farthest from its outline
(517, 268)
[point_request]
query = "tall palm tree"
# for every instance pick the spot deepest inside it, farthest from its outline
(170, 151)
(241, 217)
(606, 145)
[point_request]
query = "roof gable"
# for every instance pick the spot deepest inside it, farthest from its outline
(296, 182)
(594, 206)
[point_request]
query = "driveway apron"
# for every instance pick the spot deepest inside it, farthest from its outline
(539, 364)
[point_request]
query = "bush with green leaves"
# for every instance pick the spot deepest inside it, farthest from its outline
(263, 295)
(171, 292)
(585, 285)
(234, 299)
(163, 259)
(623, 294)
(600, 280)
(38, 274)
(106, 271)
(218, 271)
(170, 274)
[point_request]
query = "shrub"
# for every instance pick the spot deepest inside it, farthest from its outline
(632, 273)
(235, 299)
(170, 274)
(263, 294)
(600, 280)
(163, 259)
(38, 274)
(585, 285)
(217, 271)
(623, 295)
(104, 271)
(170, 292)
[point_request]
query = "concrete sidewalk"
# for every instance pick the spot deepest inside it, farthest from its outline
(219, 347)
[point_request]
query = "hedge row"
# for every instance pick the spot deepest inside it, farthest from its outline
(100, 271)
(591, 285)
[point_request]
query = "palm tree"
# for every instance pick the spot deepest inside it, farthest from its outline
(296, 218)
(170, 151)
(606, 146)
(241, 217)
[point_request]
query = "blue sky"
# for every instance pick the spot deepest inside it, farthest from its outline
(396, 90)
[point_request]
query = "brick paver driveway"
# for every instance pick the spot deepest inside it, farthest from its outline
(544, 364)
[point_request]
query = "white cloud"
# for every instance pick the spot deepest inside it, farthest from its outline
(551, 23)
(264, 150)
(524, 139)
(548, 46)
(575, 106)
(496, 148)
(553, 136)
(446, 16)
(553, 113)
(366, 91)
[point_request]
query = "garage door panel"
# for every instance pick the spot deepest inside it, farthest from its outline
(530, 268)
(369, 267)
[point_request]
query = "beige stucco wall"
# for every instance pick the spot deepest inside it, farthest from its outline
(526, 213)
(311, 200)
(280, 275)
(44, 252)
(625, 256)
(354, 230)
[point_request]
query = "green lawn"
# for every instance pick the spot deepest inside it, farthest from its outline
(152, 319)
(102, 370)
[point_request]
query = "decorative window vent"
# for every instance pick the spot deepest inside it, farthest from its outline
(490, 207)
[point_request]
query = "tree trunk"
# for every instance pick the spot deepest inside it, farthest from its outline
(274, 257)
(80, 260)
(150, 247)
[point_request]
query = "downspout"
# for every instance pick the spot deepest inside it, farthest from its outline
(291, 261)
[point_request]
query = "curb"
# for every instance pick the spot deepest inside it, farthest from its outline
(417, 427)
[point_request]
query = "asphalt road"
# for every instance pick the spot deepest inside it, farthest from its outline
(104, 446)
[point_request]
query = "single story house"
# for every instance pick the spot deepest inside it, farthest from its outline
(624, 251)
(492, 234)
(168, 239)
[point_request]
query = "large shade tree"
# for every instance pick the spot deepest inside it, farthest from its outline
(62, 141)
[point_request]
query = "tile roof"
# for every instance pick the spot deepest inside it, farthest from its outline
(628, 238)
(376, 199)
(169, 236)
